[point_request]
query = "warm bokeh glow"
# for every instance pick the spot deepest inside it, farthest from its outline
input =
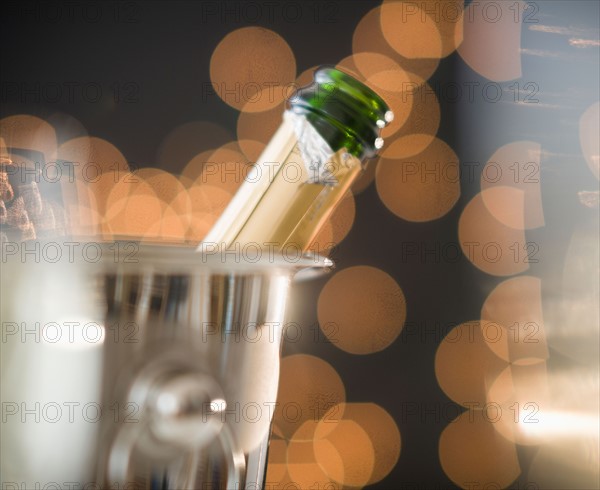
(98, 166)
(363, 65)
(168, 189)
(513, 311)
(492, 39)
(305, 471)
(225, 168)
(170, 227)
(346, 455)
(490, 245)
(410, 31)
(422, 187)
(472, 451)
(465, 365)
(134, 216)
(380, 427)
(361, 310)
(368, 38)
(277, 464)
(308, 387)
(29, 132)
(251, 67)
(422, 124)
(517, 400)
(446, 17)
(207, 203)
(512, 176)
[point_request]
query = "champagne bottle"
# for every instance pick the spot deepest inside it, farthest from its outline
(330, 129)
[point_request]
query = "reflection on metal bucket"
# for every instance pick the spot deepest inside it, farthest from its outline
(190, 365)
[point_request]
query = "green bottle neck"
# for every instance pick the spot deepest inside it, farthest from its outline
(344, 111)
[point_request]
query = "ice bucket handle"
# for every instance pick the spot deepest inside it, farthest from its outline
(180, 414)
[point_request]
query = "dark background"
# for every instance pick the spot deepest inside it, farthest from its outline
(150, 61)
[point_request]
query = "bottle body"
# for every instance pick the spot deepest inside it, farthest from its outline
(306, 169)
(282, 202)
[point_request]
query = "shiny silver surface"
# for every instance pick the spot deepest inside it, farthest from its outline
(192, 348)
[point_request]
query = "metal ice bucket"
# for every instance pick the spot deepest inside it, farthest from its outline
(189, 360)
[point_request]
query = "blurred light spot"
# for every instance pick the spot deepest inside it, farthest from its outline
(507, 205)
(377, 423)
(364, 65)
(277, 464)
(490, 245)
(346, 454)
(512, 168)
(251, 149)
(29, 132)
(516, 399)
(447, 15)
(133, 216)
(472, 451)
(97, 164)
(563, 424)
(410, 31)
(512, 315)
(188, 140)
(95, 155)
(305, 471)
(226, 167)
(168, 189)
(308, 387)
(368, 38)
(419, 130)
(492, 39)
(204, 211)
(128, 184)
(588, 137)
(361, 310)
(192, 170)
(251, 67)
(218, 197)
(423, 187)
(464, 364)
(170, 227)
(568, 427)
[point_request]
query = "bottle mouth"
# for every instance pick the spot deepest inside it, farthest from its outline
(344, 111)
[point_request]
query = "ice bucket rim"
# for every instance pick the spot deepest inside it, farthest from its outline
(135, 256)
